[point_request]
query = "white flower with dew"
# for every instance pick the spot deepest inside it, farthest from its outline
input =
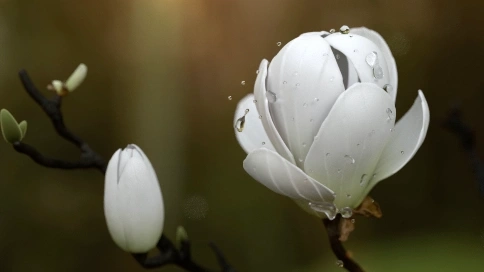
(320, 127)
(133, 204)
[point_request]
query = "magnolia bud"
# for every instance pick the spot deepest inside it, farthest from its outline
(133, 204)
(76, 78)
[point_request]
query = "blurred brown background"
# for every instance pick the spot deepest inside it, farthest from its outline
(159, 76)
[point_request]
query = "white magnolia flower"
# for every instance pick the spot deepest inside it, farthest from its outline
(133, 204)
(320, 126)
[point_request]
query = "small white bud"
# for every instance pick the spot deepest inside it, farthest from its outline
(133, 204)
(57, 86)
(76, 78)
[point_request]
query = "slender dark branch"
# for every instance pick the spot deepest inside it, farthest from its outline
(52, 107)
(333, 230)
(467, 138)
(168, 253)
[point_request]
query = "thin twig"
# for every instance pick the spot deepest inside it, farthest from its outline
(168, 253)
(467, 138)
(333, 230)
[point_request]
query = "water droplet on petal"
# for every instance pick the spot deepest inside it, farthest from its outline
(331, 79)
(332, 30)
(260, 116)
(327, 208)
(350, 159)
(391, 130)
(401, 152)
(339, 171)
(285, 82)
(257, 71)
(389, 114)
(337, 56)
(310, 120)
(271, 97)
(230, 97)
(305, 105)
(363, 179)
(374, 175)
(344, 29)
(304, 144)
(340, 263)
(377, 72)
(316, 99)
(240, 123)
(327, 154)
(278, 43)
(388, 88)
(348, 195)
(243, 82)
(263, 143)
(372, 59)
(255, 101)
(346, 212)
(296, 73)
(356, 50)
(297, 84)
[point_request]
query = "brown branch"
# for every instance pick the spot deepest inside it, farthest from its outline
(334, 233)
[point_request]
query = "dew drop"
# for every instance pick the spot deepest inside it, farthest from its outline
(340, 263)
(337, 56)
(284, 82)
(391, 130)
(327, 154)
(297, 84)
(372, 59)
(263, 143)
(301, 160)
(279, 43)
(351, 159)
(331, 79)
(389, 114)
(332, 30)
(357, 144)
(356, 50)
(363, 179)
(271, 97)
(240, 123)
(373, 176)
(348, 195)
(344, 29)
(305, 105)
(377, 72)
(296, 73)
(257, 71)
(230, 97)
(316, 99)
(305, 180)
(346, 212)
(304, 144)
(324, 207)
(255, 101)
(388, 88)
(339, 171)
(401, 152)
(243, 82)
(260, 116)
(311, 120)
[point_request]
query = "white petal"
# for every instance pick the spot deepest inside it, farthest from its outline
(408, 136)
(356, 48)
(387, 54)
(141, 207)
(306, 80)
(114, 218)
(253, 134)
(350, 142)
(283, 177)
(263, 109)
(77, 77)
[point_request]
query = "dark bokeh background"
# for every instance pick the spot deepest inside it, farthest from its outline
(159, 76)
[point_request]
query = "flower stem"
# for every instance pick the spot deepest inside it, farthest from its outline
(334, 233)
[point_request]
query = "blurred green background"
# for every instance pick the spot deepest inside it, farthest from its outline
(159, 76)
